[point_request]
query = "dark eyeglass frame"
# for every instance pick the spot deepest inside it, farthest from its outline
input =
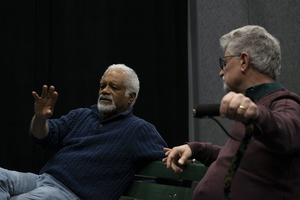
(223, 62)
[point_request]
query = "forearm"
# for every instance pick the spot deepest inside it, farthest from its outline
(204, 152)
(39, 127)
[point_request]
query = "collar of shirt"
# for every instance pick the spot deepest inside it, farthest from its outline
(114, 118)
(258, 91)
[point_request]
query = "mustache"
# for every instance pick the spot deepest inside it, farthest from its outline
(106, 97)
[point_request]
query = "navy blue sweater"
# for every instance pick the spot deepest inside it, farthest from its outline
(97, 158)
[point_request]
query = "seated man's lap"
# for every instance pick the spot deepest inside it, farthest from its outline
(14, 183)
(45, 193)
(22, 186)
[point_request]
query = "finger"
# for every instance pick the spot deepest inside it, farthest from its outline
(171, 158)
(54, 97)
(165, 161)
(251, 112)
(51, 90)
(234, 104)
(35, 95)
(243, 107)
(171, 161)
(168, 162)
(175, 168)
(182, 160)
(185, 156)
(256, 113)
(225, 103)
(44, 91)
(245, 110)
(167, 153)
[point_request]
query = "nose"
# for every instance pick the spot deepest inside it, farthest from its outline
(221, 74)
(104, 90)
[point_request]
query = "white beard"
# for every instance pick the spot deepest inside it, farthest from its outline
(106, 107)
(225, 86)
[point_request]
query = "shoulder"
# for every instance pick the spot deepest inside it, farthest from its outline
(80, 111)
(280, 94)
(140, 122)
(136, 126)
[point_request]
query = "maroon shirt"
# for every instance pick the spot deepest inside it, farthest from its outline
(270, 168)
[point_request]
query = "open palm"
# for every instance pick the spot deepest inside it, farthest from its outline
(44, 104)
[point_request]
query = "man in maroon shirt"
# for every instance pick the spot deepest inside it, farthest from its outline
(270, 166)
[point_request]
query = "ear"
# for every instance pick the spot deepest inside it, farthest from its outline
(131, 97)
(245, 61)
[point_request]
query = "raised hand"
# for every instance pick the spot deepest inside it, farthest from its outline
(44, 104)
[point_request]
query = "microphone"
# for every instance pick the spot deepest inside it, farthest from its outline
(206, 110)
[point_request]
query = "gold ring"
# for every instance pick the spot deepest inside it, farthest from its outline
(242, 107)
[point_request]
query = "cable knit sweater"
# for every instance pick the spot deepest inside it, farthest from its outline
(270, 168)
(97, 158)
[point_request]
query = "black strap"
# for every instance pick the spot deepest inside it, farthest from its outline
(236, 160)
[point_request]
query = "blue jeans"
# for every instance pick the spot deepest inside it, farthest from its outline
(21, 186)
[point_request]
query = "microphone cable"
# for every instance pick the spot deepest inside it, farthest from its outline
(222, 127)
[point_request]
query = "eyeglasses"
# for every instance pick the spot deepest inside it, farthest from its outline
(223, 62)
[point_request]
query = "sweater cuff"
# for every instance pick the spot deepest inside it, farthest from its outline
(37, 141)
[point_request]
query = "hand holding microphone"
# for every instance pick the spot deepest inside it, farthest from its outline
(233, 106)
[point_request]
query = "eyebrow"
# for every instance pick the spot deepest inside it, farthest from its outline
(111, 84)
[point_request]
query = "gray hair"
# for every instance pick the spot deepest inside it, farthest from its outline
(132, 82)
(262, 47)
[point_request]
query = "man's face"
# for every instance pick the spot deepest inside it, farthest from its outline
(230, 73)
(112, 100)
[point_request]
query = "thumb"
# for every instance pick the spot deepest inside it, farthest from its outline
(49, 113)
(182, 160)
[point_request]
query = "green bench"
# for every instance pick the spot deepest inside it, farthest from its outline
(155, 181)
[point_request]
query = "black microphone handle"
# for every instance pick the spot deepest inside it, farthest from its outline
(206, 110)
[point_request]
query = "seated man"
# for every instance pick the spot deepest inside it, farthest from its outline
(98, 149)
(269, 167)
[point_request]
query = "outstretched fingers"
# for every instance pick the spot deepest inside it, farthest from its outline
(51, 94)
(44, 104)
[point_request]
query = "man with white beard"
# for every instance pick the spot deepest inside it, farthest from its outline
(98, 149)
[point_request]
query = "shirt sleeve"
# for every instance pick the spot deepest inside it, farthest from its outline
(280, 125)
(58, 129)
(148, 145)
(204, 152)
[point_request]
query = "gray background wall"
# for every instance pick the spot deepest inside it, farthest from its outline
(207, 22)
